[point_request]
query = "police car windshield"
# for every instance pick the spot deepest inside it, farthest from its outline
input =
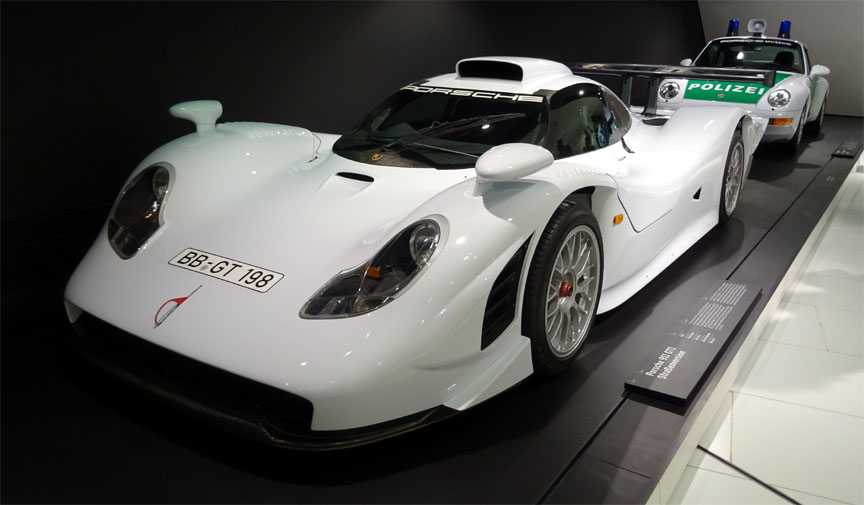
(766, 54)
(443, 128)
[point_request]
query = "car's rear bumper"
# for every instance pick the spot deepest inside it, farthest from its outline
(222, 399)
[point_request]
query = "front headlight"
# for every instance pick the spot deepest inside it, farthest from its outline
(379, 281)
(779, 98)
(669, 90)
(137, 214)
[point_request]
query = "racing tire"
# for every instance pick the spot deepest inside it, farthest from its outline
(733, 177)
(791, 146)
(815, 126)
(563, 288)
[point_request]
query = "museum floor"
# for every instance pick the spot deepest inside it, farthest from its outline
(794, 418)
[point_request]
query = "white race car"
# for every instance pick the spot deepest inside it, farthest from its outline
(797, 96)
(316, 291)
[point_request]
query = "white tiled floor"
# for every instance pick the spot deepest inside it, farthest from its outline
(795, 416)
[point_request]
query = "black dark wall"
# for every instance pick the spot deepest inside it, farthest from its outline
(86, 86)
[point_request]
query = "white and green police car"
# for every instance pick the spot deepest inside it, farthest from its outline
(796, 99)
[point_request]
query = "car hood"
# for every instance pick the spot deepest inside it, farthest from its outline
(269, 201)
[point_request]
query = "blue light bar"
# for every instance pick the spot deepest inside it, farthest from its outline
(785, 29)
(733, 28)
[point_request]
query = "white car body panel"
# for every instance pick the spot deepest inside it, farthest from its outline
(269, 195)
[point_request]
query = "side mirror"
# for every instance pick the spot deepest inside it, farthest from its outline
(512, 161)
(819, 71)
(203, 113)
(686, 62)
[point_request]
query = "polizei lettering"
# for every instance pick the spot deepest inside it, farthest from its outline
(488, 95)
(727, 88)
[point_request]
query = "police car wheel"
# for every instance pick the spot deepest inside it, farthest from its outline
(791, 146)
(815, 126)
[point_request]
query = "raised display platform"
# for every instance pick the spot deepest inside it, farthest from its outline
(69, 436)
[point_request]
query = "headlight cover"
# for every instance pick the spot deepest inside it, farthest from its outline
(377, 282)
(137, 214)
(669, 90)
(779, 98)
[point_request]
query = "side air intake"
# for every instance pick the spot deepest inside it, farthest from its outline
(486, 69)
(501, 304)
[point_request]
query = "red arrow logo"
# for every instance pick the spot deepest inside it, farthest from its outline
(171, 305)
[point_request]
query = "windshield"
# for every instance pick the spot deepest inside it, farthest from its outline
(764, 54)
(443, 128)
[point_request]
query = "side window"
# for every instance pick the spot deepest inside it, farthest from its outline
(620, 114)
(581, 121)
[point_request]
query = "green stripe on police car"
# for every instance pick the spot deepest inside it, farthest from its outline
(720, 91)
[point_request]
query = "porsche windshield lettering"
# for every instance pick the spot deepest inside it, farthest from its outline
(489, 95)
(443, 128)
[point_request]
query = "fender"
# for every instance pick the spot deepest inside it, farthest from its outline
(247, 146)
(819, 93)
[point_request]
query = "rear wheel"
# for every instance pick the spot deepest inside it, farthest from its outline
(733, 177)
(563, 288)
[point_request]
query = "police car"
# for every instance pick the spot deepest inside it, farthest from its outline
(795, 101)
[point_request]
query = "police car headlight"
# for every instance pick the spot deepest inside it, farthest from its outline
(779, 98)
(669, 90)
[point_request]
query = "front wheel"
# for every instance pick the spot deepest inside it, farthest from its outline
(563, 288)
(791, 146)
(733, 177)
(815, 126)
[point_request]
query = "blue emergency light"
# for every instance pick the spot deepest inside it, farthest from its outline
(785, 29)
(733, 28)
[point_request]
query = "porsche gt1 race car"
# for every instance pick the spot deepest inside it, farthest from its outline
(794, 101)
(312, 290)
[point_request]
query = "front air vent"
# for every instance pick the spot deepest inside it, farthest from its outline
(501, 304)
(355, 176)
(489, 70)
(698, 194)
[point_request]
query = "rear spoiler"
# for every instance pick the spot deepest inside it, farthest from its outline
(655, 73)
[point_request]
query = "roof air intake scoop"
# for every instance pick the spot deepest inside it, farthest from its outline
(489, 70)
(203, 113)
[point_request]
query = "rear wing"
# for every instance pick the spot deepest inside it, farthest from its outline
(655, 73)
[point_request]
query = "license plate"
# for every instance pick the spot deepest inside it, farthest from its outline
(233, 271)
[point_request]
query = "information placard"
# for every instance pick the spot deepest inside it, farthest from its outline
(682, 360)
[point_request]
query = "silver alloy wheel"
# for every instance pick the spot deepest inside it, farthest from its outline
(572, 292)
(733, 178)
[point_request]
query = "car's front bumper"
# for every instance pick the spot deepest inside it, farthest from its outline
(227, 401)
(781, 133)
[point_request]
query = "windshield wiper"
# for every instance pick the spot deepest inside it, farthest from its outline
(436, 130)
